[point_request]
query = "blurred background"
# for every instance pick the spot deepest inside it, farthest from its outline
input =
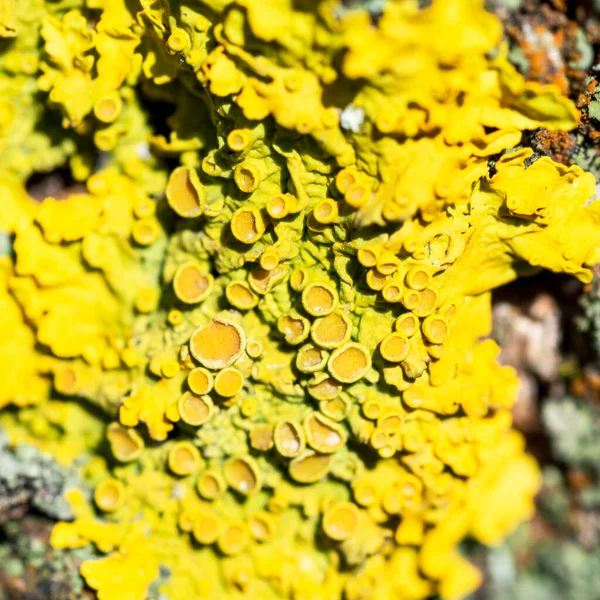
(549, 329)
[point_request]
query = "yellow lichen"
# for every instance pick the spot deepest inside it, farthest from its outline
(286, 333)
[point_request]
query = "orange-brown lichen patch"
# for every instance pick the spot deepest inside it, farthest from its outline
(548, 40)
(559, 145)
